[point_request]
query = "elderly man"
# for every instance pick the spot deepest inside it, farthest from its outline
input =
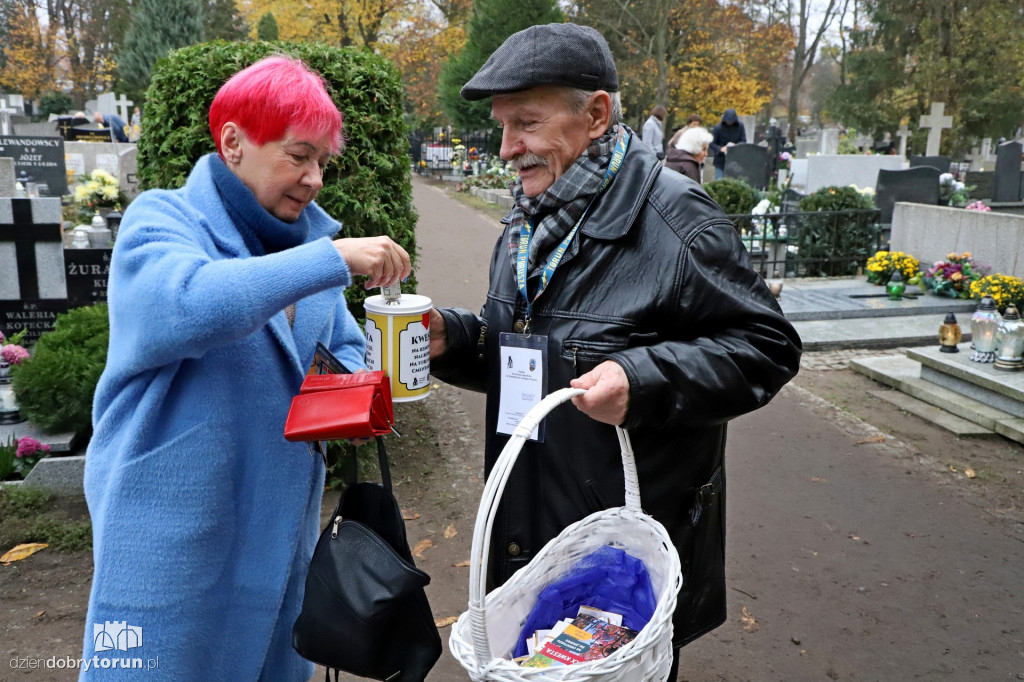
(633, 286)
(118, 128)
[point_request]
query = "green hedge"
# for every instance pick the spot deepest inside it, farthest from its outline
(56, 386)
(367, 187)
(735, 196)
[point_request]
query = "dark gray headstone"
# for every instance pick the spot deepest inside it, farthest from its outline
(87, 272)
(40, 158)
(917, 185)
(748, 162)
(982, 182)
(1006, 186)
(940, 162)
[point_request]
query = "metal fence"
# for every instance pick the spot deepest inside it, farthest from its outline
(811, 244)
(437, 152)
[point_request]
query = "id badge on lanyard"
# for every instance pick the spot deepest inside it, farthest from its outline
(524, 379)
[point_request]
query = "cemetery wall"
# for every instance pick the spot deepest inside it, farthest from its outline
(929, 233)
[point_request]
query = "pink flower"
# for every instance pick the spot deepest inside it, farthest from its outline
(13, 353)
(2, 337)
(28, 446)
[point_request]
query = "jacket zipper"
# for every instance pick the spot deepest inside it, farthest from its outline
(337, 522)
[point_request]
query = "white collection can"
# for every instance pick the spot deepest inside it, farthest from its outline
(398, 342)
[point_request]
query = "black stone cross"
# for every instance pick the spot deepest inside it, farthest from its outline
(25, 234)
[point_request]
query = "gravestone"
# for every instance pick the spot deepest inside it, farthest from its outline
(124, 108)
(7, 177)
(40, 158)
(829, 142)
(127, 169)
(106, 103)
(40, 129)
(87, 272)
(805, 146)
(33, 290)
(798, 173)
(748, 162)
(935, 122)
(18, 102)
(749, 125)
(939, 162)
(919, 185)
(1006, 184)
(904, 134)
(5, 117)
(982, 182)
(843, 170)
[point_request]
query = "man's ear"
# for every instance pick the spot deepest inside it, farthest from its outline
(231, 137)
(599, 114)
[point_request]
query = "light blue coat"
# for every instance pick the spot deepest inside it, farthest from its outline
(204, 517)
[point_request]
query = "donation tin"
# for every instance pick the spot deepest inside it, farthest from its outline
(398, 342)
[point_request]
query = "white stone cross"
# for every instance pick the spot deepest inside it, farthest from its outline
(935, 122)
(5, 117)
(903, 133)
(122, 107)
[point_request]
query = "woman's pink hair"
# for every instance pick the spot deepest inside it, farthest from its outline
(272, 96)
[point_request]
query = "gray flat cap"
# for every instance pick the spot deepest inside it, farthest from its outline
(549, 54)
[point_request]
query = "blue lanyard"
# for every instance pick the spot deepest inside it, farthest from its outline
(526, 234)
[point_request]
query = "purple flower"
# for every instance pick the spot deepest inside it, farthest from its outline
(28, 446)
(13, 353)
(785, 156)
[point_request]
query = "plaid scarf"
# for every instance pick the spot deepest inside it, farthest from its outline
(557, 209)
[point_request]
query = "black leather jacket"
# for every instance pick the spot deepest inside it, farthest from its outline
(658, 281)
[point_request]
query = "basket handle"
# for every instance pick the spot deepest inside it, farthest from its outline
(493, 489)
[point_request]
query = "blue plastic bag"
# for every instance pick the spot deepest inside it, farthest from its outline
(608, 579)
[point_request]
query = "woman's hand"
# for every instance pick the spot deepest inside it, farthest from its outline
(379, 257)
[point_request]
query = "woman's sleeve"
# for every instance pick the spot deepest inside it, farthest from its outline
(171, 299)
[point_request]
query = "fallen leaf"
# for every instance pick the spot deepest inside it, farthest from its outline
(462, 564)
(855, 538)
(817, 479)
(437, 386)
(749, 624)
(873, 439)
(39, 614)
(952, 468)
(21, 551)
(969, 472)
(420, 547)
(445, 622)
(409, 516)
(450, 531)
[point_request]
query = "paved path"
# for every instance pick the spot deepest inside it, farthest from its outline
(848, 558)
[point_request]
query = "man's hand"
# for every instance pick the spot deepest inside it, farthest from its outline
(607, 396)
(379, 257)
(438, 334)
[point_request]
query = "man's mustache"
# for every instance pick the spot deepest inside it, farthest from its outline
(526, 160)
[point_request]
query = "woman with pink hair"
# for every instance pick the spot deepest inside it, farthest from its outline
(204, 517)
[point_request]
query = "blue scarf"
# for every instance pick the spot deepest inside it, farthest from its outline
(263, 233)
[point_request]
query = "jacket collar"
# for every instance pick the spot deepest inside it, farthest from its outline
(617, 208)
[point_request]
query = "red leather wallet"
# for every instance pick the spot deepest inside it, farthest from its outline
(337, 406)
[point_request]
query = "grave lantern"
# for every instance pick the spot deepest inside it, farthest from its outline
(114, 222)
(9, 413)
(984, 323)
(1010, 341)
(896, 286)
(949, 334)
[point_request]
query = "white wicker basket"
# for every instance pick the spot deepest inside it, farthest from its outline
(484, 636)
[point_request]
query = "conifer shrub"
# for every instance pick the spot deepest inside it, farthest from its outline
(367, 187)
(56, 386)
(735, 196)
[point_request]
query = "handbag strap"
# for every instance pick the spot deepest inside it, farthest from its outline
(382, 460)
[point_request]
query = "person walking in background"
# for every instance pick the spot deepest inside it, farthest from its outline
(687, 155)
(118, 128)
(632, 285)
(204, 517)
(653, 133)
(136, 125)
(726, 134)
(692, 121)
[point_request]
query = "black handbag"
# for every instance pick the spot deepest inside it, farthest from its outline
(365, 611)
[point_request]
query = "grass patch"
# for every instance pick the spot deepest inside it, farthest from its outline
(34, 515)
(491, 210)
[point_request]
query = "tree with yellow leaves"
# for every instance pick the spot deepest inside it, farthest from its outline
(30, 53)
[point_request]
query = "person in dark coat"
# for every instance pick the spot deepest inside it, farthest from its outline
(726, 134)
(648, 302)
(688, 153)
